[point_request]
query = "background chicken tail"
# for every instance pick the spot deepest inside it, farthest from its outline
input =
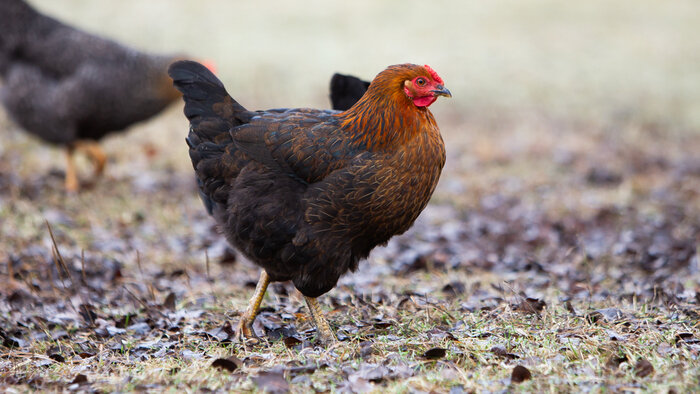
(346, 90)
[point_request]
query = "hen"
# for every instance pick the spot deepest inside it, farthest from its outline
(306, 193)
(346, 90)
(71, 88)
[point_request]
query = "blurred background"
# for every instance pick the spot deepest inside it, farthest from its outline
(533, 81)
(589, 61)
(568, 107)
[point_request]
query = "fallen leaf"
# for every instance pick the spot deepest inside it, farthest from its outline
(502, 352)
(169, 302)
(366, 349)
(569, 307)
(230, 364)
(57, 357)
(79, 378)
(520, 374)
(643, 368)
(309, 368)
(382, 324)
(454, 289)
(271, 382)
(223, 334)
(290, 342)
(606, 314)
(356, 384)
(434, 353)
(615, 361)
(686, 338)
(373, 372)
(20, 297)
(12, 342)
(601, 176)
(87, 312)
(531, 305)
(614, 336)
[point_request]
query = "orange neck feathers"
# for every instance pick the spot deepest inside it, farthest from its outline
(385, 117)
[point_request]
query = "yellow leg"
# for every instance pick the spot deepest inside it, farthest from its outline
(325, 334)
(245, 332)
(71, 181)
(95, 153)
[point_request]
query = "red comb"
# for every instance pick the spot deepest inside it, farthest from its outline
(433, 74)
(210, 65)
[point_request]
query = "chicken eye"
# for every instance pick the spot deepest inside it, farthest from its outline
(420, 81)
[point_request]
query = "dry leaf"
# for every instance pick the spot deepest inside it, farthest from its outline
(79, 378)
(230, 364)
(271, 382)
(434, 353)
(169, 302)
(502, 352)
(290, 342)
(643, 368)
(520, 374)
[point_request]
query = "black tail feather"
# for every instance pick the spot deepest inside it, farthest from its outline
(212, 113)
(346, 90)
(201, 90)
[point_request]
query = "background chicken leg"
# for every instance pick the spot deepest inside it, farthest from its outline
(71, 181)
(93, 152)
(96, 155)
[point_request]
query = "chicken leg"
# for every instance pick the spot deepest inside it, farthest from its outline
(325, 334)
(245, 332)
(71, 181)
(94, 152)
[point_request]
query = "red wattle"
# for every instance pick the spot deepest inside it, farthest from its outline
(424, 101)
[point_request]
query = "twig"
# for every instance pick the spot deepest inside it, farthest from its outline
(209, 280)
(149, 285)
(145, 305)
(57, 258)
(61, 264)
(82, 266)
(206, 256)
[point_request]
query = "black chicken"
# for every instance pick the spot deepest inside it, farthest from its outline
(71, 88)
(346, 90)
(307, 193)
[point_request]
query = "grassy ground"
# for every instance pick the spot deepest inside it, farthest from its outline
(563, 236)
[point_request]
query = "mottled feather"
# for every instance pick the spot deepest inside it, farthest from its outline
(62, 84)
(307, 193)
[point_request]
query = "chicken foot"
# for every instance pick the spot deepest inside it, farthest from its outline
(71, 181)
(325, 334)
(244, 331)
(93, 152)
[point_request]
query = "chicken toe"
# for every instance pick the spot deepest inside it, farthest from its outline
(95, 153)
(244, 331)
(325, 334)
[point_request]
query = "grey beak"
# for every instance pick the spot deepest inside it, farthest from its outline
(441, 91)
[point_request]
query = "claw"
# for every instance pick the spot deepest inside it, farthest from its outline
(324, 333)
(244, 331)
